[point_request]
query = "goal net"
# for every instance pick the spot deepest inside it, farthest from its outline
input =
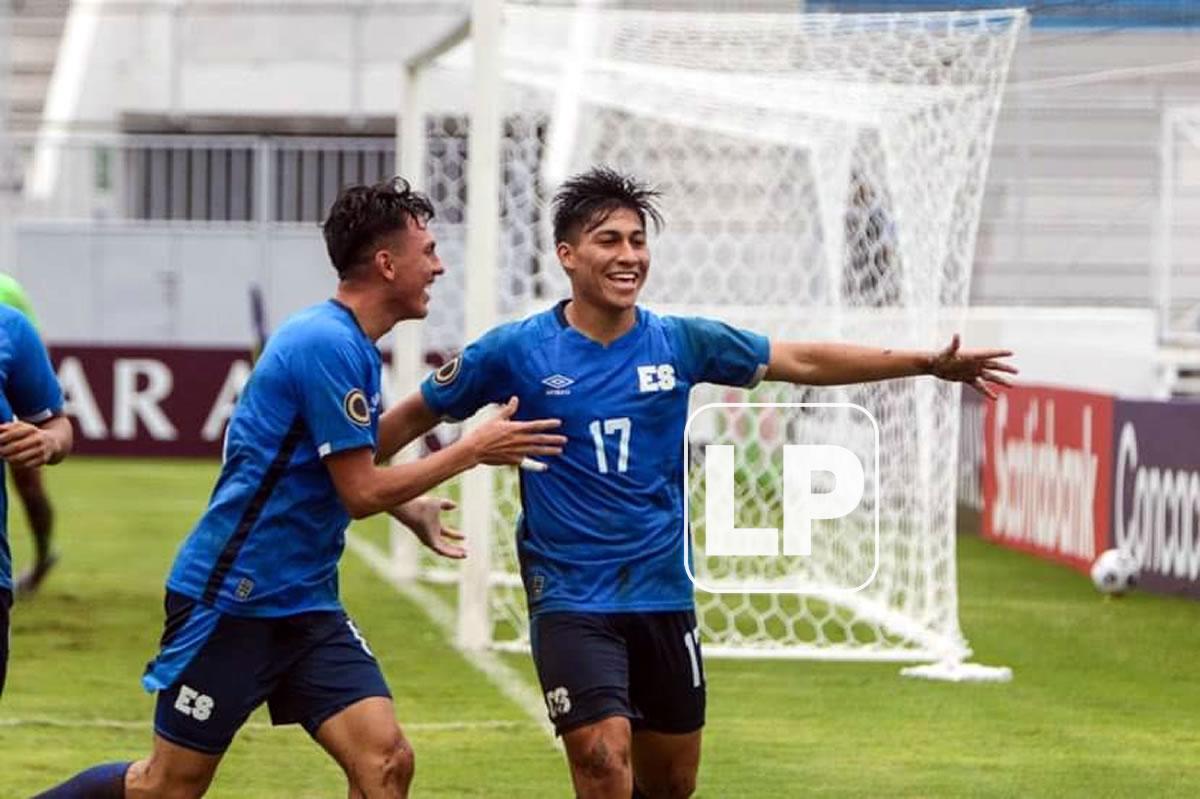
(821, 178)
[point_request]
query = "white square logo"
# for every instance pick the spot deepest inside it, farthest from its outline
(781, 497)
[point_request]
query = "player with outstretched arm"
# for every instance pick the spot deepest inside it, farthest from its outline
(600, 538)
(252, 608)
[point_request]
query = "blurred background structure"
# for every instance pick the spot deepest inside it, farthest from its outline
(212, 135)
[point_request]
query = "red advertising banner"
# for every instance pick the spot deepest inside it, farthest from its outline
(1047, 473)
(149, 401)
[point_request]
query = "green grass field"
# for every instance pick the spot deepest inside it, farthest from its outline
(1105, 701)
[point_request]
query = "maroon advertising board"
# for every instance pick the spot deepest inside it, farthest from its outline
(165, 401)
(149, 401)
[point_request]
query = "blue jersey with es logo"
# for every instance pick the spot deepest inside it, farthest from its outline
(270, 540)
(602, 529)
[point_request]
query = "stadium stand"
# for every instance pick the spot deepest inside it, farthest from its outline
(34, 31)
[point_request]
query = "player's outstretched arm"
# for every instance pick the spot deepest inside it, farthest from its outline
(27, 445)
(834, 364)
(366, 489)
(403, 423)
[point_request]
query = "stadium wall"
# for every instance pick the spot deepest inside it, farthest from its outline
(182, 59)
(152, 284)
(1069, 215)
(1064, 475)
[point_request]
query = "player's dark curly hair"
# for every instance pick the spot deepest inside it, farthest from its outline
(585, 200)
(362, 215)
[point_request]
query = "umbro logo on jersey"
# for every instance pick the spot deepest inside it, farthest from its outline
(557, 385)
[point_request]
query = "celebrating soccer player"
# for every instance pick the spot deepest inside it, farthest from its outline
(33, 431)
(252, 603)
(600, 539)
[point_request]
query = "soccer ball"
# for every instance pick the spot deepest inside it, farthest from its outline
(1114, 572)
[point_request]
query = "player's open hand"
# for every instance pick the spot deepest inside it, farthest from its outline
(502, 442)
(979, 368)
(25, 445)
(423, 516)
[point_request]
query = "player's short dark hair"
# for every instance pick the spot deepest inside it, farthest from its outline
(362, 215)
(587, 199)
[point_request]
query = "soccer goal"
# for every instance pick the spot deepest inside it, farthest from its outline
(822, 177)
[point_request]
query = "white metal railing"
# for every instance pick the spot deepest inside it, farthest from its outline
(135, 236)
(113, 178)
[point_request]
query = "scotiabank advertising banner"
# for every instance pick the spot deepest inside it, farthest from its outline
(1156, 492)
(149, 401)
(1047, 473)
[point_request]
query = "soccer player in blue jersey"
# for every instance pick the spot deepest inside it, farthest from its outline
(600, 540)
(252, 609)
(28, 482)
(33, 431)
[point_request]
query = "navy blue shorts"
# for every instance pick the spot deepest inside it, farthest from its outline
(644, 666)
(306, 667)
(6, 600)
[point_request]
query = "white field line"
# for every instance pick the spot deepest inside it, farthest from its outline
(148, 724)
(507, 679)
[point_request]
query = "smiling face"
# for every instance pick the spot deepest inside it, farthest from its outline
(608, 262)
(409, 262)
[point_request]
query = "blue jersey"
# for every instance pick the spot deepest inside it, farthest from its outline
(602, 529)
(28, 391)
(270, 540)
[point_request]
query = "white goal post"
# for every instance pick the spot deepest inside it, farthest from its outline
(1178, 229)
(822, 178)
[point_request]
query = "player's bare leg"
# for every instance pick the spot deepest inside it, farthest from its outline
(368, 744)
(665, 766)
(40, 513)
(599, 758)
(171, 772)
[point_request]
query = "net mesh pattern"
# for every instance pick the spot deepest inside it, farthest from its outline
(821, 179)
